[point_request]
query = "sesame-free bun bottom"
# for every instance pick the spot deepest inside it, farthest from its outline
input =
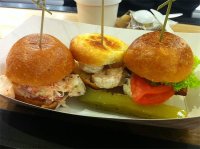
(38, 102)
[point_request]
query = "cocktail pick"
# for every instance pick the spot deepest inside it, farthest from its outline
(102, 22)
(169, 3)
(41, 4)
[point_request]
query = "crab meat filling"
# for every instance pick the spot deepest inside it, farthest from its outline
(6, 87)
(69, 86)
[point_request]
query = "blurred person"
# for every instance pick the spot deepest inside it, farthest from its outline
(182, 6)
(179, 6)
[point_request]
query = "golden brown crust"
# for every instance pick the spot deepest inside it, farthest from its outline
(38, 102)
(168, 61)
(28, 64)
(87, 49)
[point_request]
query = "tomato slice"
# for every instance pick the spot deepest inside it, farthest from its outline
(146, 94)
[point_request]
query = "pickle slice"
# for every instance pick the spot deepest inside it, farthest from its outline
(123, 104)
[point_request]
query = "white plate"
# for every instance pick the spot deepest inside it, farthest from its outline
(65, 31)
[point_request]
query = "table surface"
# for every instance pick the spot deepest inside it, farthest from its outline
(11, 18)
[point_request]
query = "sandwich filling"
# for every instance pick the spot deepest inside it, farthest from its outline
(105, 76)
(6, 87)
(69, 86)
(147, 92)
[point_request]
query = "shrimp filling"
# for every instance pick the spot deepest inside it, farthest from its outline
(127, 88)
(69, 86)
(109, 78)
(105, 76)
(90, 69)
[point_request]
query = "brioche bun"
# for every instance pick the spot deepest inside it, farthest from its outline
(87, 49)
(38, 102)
(28, 64)
(170, 60)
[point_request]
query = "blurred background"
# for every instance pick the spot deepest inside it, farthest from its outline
(190, 8)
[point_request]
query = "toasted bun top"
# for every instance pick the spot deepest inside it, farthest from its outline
(170, 60)
(87, 49)
(28, 64)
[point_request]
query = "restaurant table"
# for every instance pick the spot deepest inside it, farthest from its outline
(26, 127)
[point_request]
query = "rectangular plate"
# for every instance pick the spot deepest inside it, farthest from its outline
(66, 30)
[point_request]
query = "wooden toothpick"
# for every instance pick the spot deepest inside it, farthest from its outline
(42, 23)
(42, 5)
(169, 3)
(102, 22)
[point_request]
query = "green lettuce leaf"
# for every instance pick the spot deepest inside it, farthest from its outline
(191, 81)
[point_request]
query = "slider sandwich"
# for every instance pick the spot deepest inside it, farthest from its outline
(42, 75)
(159, 69)
(100, 65)
(156, 71)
